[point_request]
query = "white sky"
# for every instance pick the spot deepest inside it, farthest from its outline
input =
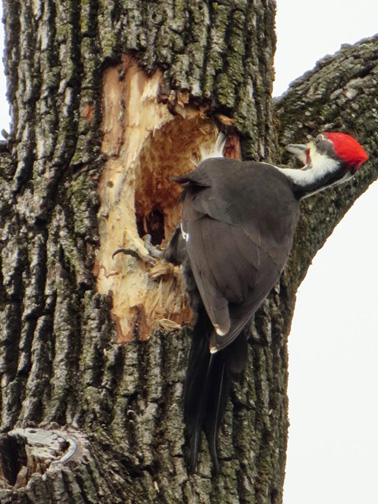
(333, 345)
(333, 442)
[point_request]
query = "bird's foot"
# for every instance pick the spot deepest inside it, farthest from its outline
(149, 258)
(153, 250)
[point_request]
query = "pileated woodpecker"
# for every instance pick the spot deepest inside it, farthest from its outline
(237, 228)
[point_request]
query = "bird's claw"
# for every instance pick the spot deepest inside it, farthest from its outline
(153, 252)
(127, 251)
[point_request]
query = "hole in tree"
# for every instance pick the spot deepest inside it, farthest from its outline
(145, 144)
(170, 150)
(12, 457)
(152, 224)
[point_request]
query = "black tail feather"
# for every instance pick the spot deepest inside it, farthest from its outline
(208, 381)
(197, 387)
(216, 404)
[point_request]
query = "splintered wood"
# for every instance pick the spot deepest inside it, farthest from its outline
(147, 138)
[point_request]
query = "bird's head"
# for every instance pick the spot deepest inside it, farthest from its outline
(330, 159)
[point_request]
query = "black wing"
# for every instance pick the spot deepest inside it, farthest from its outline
(238, 222)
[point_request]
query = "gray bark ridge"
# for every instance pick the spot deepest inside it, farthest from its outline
(339, 94)
(60, 368)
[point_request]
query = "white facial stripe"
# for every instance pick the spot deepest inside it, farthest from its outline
(320, 166)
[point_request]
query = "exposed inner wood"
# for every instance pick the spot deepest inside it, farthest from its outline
(145, 140)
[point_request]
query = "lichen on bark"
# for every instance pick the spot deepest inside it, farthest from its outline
(61, 367)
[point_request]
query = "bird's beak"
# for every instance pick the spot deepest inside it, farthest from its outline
(300, 151)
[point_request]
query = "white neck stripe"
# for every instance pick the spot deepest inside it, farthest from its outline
(309, 176)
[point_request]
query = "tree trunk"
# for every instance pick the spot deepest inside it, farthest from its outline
(108, 100)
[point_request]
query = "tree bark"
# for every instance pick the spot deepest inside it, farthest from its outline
(108, 99)
(339, 94)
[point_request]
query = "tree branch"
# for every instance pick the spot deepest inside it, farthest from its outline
(339, 94)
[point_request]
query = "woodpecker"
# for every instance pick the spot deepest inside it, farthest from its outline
(238, 222)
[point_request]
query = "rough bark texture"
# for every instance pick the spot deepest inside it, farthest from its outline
(116, 409)
(339, 94)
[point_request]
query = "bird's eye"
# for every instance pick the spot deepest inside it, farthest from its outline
(319, 138)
